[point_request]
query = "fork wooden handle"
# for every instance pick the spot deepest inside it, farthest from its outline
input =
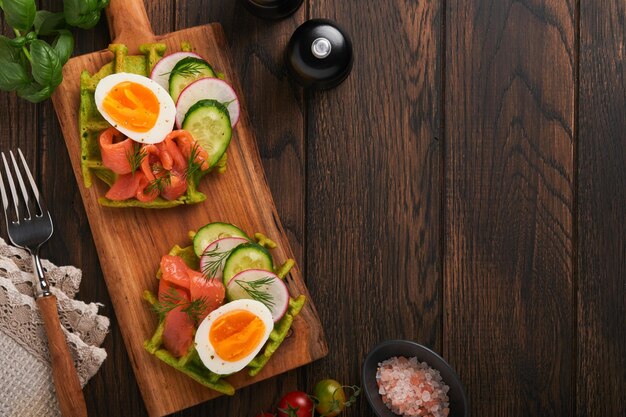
(67, 385)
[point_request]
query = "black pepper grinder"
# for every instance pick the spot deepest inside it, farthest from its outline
(319, 54)
(272, 9)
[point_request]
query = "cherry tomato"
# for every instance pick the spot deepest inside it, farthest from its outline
(331, 397)
(296, 404)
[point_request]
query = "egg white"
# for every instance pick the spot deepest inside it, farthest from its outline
(167, 113)
(205, 349)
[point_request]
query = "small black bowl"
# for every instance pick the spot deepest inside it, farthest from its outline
(390, 348)
(272, 9)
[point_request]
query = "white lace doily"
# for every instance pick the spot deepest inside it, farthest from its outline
(26, 385)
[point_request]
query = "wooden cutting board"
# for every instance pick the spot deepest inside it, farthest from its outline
(130, 242)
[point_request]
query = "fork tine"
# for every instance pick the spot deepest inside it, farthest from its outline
(16, 200)
(33, 185)
(20, 181)
(5, 201)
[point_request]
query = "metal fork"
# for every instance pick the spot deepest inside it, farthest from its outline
(29, 230)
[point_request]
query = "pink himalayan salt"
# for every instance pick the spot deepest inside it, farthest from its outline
(412, 389)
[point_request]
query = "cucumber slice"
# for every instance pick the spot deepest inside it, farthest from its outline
(209, 124)
(212, 232)
(247, 256)
(162, 69)
(186, 71)
(208, 88)
(262, 286)
(214, 256)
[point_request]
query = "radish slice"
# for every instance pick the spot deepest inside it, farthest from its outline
(207, 88)
(161, 71)
(263, 286)
(214, 256)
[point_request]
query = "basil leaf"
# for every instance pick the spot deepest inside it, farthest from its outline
(13, 76)
(8, 51)
(46, 23)
(45, 64)
(63, 45)
(35, 92)
(18, 42)
(20, 14)
(83, 13)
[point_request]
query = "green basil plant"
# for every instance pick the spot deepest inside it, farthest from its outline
(31, 63)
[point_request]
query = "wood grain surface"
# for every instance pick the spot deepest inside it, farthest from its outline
(464, 188)
(373, 193)
(601, 301)
(509, 179)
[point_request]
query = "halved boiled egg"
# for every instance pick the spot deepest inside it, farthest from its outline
(136, 106)
(232, 335)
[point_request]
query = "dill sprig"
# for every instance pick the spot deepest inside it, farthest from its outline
(215, 260)
(193, 166)
(189, 69)
(172, 299)
(159, 183)
(135, 158)
(256, 290)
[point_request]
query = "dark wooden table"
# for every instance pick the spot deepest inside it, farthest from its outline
(465, 188)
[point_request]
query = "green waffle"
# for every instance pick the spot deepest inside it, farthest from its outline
(91, 124)
(190, 364)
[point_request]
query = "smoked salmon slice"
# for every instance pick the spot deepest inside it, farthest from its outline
(125, 187)
(174, 270)
(175, 187)
(178, 329)
(144, 194)
(169, 290)
(179, 160)
(146, 172)
(211, 291)
(116, 151)
(181, 285)
(187, 144)
(166, 158)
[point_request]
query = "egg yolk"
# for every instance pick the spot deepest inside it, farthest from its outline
(132, 106)
(235, 334)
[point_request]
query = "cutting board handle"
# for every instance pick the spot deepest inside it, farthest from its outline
(129, 24)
